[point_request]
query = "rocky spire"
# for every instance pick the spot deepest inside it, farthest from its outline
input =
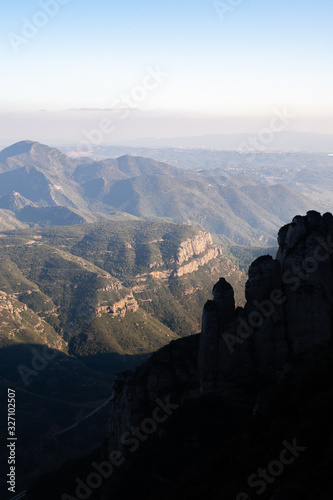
(288, 313)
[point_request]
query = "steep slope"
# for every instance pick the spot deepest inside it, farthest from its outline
(50, 216)
(276, 348)
(146, 257)
(8, 221)
(286, 321)
(240, 213)
(14, 201)
(29, 183)
(34, 154)
(279, 199)
(19, 324)
(78, 299)
(109, 294)
(39, 173)
(123, 287)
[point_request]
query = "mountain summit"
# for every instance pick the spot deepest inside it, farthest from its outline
(19, 148)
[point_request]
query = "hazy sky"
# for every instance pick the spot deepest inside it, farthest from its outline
(210, 60)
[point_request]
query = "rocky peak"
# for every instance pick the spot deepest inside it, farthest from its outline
(223, 295)
(288, 313)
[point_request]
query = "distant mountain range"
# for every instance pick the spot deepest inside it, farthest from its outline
(41, 186)
(281, 142)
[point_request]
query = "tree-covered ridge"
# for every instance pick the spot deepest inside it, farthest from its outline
(94, 283)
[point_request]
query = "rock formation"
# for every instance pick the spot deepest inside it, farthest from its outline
(287, 319)
(193, 247)
(119, 308)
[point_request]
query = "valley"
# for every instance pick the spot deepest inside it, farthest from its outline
(100, 297)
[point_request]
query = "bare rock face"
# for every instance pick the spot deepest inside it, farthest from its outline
(265, 316)
(264, 276)
(120, 308)
(216, 316)
(305, 254)
(193, 247)
(288, 313)
(189, 268)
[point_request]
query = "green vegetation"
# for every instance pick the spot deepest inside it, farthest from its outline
(70, 276)
(133, 334)
(244, 256)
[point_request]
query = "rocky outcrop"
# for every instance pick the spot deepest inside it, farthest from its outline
(14, 308)
(113, 286)
(193, 266)
(305, 254)
(200, 244)
(193, 247)
(287, 320)
(119, 308)
(186, 250)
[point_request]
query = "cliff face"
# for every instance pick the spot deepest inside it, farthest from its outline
(193, 247)
(189, 268)
(120, 308)
(191, 255)
(286, 321)
(305, 254)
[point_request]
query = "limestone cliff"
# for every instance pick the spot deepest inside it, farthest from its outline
(194, 265)
(193, 247)
(118, 308)
(191, 254)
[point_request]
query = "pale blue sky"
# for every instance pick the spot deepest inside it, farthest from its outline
(264, 54)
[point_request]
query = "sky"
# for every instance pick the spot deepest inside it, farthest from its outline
(181, 67)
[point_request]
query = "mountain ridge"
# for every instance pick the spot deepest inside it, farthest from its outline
(147, 189)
